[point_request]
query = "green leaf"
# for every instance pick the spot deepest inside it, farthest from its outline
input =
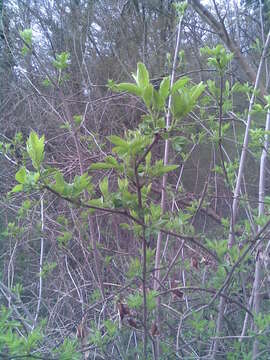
(80, 184)
(35, 149)
(59, 185)
(116, 140)
(158, 101)
(21, 175)
(180, 8)
(32, 178)
(148, 159)
(78, 119)
(26, 35)
(25, 178)
(95, 202)
(74, 189)
(46, 82)
(185, 99)
(104, 186)
(61, 61)
(148, 95)
(151, 299)
(111, 84)
(256, 108)
(122, 184)
(111, 327)
(134, 268)
(181, 104)
(64, 238)
(124, 226)
(142, 76)
(164, 87)
(117, 203)
(267, 98)
(196, 91)
(112, 161)
(158, 169)
(17, 188)
(212, 88)
(130, 88)
(68, 350)
(32, 340)
(65, 126)
(218, 57)
(122, 147)
(138, 144)
(178, 142)
(168, 168)
(179, 84)
(135, 301)
(161, 123)
(109, 163)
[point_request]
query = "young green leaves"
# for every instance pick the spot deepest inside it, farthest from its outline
(142, 82)
(183, 98)
(71, 190)
(21, 177)
(141, 77)
(218, 57)
(61, 61)
(26, 36)
(153, 99)
(26, 179)
(35, 149)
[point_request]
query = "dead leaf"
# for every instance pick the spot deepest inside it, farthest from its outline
(154, 329)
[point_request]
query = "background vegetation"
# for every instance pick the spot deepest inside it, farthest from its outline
(134, 179)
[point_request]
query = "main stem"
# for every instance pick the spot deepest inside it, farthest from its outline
(144, 247)
(144, 298)
(40, 259)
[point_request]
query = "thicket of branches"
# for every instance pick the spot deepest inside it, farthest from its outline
(134, 171)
